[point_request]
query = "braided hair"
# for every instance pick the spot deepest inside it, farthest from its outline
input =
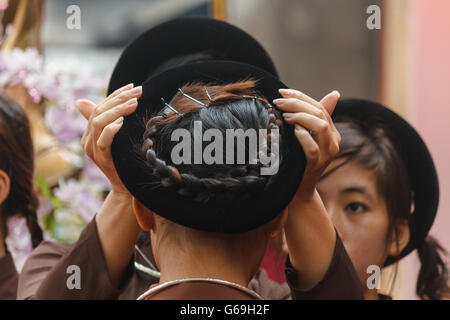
(17, 161)
(232, 106)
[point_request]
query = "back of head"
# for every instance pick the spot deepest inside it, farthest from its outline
(230, 174)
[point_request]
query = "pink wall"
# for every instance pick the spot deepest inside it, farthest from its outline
(430, 108)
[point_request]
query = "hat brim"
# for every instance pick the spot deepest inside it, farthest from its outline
(416, 158)
(235, 216)
(187, 36)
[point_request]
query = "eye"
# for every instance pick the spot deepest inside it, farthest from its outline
(356, 207)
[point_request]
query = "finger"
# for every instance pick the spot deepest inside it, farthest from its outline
(120, 98)
(308, 121)
(330, 100)
(294, 105)
(309, 145)
(86, 107)
(292, 93)
(118, 91)
(113, 114)
(106, 137)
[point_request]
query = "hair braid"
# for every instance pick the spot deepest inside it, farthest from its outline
(239, 181)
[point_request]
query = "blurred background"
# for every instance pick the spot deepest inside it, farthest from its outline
(317, 46)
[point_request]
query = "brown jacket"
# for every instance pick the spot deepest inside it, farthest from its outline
(44, 274)
(8, 278)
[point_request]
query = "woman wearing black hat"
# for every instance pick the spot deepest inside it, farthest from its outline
(382, 194)
(103, 251)
(17, 197)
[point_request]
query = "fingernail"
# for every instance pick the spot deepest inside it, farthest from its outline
(132, 102)
(128, 86)
(278, 102)
(287, 115)
(136, 90)
(119, 120)
(286, 91)
(337, 93)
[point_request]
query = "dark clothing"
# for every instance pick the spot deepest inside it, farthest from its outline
(340, 280)
(44, 274)
(8, 278)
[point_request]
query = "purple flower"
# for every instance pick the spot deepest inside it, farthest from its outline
(78, 197)
(3, 5)
(67, 126)
(45, 207)
(94, 176)
(18, 240)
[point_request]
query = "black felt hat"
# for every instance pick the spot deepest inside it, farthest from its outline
(416, 158)
(232, 217)
(177, 38)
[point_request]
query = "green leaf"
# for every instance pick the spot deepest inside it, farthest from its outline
(44, 188)
(49, 222)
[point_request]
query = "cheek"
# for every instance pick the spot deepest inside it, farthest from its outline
(364, 238)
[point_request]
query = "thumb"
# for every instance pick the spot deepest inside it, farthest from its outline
(86, 107)
(330, 100)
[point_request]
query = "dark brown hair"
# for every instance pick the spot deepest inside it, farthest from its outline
(17, 161)
(372, 146)
(232, 106)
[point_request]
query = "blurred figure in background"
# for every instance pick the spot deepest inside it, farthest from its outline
(17, 196)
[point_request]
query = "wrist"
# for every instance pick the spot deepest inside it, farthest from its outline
(120, 193)
(307, 192)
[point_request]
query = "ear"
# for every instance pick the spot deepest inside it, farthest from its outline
(144, 216)
(400, 236)
(274, 227)
(5, 184)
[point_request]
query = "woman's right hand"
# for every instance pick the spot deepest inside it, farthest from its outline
(105, 120)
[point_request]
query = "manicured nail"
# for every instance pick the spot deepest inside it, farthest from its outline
(119, 120)
(286, 91)
(337, 93)
(128, 86)
(278, 102)
(132, 102)
(136, 90)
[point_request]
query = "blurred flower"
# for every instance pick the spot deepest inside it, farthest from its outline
(45, 207)
(3, 5)
(94, 176)
(78, 197)
(18, 240)
(67, 126)
(63, 210)
(68, 225)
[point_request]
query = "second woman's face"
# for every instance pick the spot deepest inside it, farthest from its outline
(359, 214)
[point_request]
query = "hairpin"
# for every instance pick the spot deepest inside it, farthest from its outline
(207, 94)
(193, 99)
(165, 115)
(267, 106)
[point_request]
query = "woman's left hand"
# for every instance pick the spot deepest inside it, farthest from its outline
(314, 130)
(310, 234)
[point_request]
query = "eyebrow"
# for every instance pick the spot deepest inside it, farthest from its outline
(360, 190)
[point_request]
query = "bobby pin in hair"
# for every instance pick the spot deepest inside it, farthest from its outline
(193, 99)
(207, 94)
(170, 107)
